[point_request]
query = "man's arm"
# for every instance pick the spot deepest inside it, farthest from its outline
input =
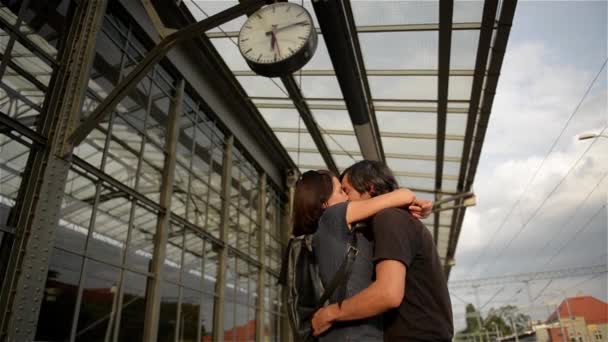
(383, 294)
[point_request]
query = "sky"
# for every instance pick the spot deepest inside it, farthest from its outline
(541, 200)
(555, 51)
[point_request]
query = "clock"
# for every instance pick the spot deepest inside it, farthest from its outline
(278, 39)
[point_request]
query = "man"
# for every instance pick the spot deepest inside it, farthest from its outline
(405, 257)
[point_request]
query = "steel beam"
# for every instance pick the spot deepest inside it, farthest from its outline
(36, 212)
(426, 109)
(446, 11)
(259, 310)
(162, 226)
(375, 72)
(396, 173)
(152, 58)
(387, 155)
(480, 110)
(309, 121)
(374, 29)
(340, 34)
(384, 134)
(220, 285)
(339, 99)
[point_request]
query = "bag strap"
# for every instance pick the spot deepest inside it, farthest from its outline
(342, 275)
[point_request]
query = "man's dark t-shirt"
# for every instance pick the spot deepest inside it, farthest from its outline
(425, 314)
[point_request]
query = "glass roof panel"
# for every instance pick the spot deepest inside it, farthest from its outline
(453, 148)
(320, 86)
(261, 86)
(456, 124)
(395, 12)
(411, 165)
(416, 182)
(301, 158)
(467, 11)
(229, 50)
(340, 142)
(460, 87)
(407, 122)
(287, 118)
(295, 141)
(333, 119)
(400, 50)
(464, 49)
(320, 60)
(409, 146)
(409, 87)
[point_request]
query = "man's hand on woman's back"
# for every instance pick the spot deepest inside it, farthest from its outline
(421, 208)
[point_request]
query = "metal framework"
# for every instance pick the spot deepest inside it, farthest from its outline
(340, 35)
(380, 108)
(527, 277)
(481, 105)
(446, 12)
(373, 29)
(37, 210)
(162, 228)
(304, 110)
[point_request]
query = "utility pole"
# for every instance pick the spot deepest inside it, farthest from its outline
(514, 329)
(478, 310)
(561, 326)
(529, 301)
(572, 319)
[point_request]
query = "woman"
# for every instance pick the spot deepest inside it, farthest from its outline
(321, 208)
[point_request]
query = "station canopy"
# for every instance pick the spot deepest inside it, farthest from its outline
(428, 73)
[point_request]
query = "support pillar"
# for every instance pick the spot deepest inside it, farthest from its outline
(259, 312)
(163, 221)
(220, 285)
(292, 177)
(36, 213)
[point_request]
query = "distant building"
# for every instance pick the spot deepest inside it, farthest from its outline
(577, 319)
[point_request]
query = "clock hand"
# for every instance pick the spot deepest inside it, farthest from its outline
(276, 41)
(273, 39)
(285, 27)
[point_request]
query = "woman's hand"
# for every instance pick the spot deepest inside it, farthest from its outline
(421, 208)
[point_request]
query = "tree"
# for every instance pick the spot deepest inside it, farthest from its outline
(496, 319)
(506, 313)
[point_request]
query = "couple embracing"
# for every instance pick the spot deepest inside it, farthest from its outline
(396, 290)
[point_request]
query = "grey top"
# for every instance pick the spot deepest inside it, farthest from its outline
(330, 243)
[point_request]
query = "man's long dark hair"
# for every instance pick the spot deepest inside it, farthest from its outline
(313, 190)
(371, 176)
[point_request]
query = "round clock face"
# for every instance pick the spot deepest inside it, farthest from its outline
(278, 38)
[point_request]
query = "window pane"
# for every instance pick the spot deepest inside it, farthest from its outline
(60, 294)
(133, 307)
(98, 296)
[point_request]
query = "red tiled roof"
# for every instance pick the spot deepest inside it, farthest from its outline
(592, 309)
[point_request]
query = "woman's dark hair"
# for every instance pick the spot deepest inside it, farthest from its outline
(371, 176)
(313, 189)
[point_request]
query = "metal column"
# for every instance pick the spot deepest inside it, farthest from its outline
(220, 285)
(259, 314)
(292, 178)
(36, 213)
(164, 215)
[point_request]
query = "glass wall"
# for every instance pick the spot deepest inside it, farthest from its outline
(100, 267)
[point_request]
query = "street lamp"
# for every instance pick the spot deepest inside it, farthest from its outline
(587, 136)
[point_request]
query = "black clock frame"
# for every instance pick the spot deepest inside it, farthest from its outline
(291, 64)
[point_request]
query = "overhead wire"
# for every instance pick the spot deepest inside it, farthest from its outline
(553, 145)
(538, 209)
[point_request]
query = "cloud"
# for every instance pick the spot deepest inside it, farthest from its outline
(535, 97)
